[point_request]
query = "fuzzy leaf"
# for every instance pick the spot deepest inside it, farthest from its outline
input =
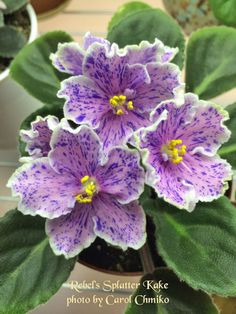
(14, 5)
(224, 11)
(149, 24)
(11, 41)
(33, 69)
(199, 247)
(30, 273)
(211, 66)
(179, 296)
(228, 150)
(125, 10)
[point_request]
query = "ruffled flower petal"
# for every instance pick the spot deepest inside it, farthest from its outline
(165, 83)
(85, 103)
(122, 176)
(208, 175)
(71, 233)
(115, 130)
(42, 191)
(68, 58)
(90, 39)
(121, 225)
(147, 52)
(200, 124)
(134, 76)
(37, 139)
(77, 152)
(108, 74)
(105, 68)
(197, 173)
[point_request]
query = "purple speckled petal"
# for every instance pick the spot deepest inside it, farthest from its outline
(105, 67)
(197, 177)
(147, 52)
(70, 234)
(115, 130)
(206, 132)
(68, 58)
(208, 175)
(165, 84)
(76, 152)
(122, 176)
(134, 77)
(85, 103)
(170, 183)
(198, 123)
(42, 191)
(89, 39)
(37, 139)
(122, 225)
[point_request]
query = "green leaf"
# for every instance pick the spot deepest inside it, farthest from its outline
(179, 296)
(224, 11)
(199, 247)
(43, 112)
(1, 19)
(147, 25)
(228, 150)
(14, 5)
(125, 10)
(211, 66)
(29, 271)
(11, 41)
(33, 69)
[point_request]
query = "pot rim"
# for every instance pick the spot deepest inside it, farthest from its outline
(32, 36)
(48, 13)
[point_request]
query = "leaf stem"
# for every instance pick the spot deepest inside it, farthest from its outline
(146, 259)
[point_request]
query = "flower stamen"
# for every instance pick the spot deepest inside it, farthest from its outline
(89, 189)
(120, 104)
(173, 152)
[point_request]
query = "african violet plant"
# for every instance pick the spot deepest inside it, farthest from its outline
(116, 119)
(14, 29)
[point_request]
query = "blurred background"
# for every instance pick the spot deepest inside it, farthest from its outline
(75, 17)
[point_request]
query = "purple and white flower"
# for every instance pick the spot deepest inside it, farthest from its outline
(82, 193)
(69, 57)
(180, 152)
(117, 90)
(38, 137)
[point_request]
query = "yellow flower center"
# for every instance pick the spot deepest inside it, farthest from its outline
(120, 104)
(174, 151)
(89, 189)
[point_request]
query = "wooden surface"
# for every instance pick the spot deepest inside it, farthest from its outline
(80, 16)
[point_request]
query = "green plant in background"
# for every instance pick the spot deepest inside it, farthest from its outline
(224, 11)
(12, 35)
(198, 248)
(195, 14)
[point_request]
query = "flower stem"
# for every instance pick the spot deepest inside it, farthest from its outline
(146, 259)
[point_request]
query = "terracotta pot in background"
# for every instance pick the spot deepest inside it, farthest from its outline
(44, 8)
(191, 15)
